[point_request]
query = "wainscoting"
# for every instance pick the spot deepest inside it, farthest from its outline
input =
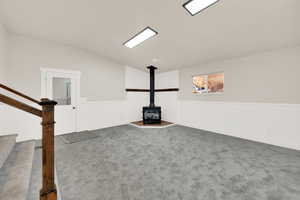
(90, 116)
(276, 124)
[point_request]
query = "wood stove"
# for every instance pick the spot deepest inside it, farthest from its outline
(152, 113)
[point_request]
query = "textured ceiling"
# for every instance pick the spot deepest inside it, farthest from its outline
(228, 29)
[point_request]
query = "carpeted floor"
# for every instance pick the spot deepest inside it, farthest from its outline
(175, 163)
(85, 135)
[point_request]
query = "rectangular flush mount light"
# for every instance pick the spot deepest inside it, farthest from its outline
(196, 6)
(145, 34)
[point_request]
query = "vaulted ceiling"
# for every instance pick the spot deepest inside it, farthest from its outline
(228, 29)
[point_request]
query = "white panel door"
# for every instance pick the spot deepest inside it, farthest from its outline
(62, 87)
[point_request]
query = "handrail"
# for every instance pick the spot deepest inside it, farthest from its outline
(22, 106)
(48, 191)
(18, 93)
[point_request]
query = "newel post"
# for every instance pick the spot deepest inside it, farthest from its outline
(48, 191)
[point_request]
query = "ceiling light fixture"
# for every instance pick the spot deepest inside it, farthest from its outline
(145, 34)
(196, 6)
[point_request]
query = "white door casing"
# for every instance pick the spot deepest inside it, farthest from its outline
(65, 115)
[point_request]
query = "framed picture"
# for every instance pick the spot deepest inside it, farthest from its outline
(208, 83)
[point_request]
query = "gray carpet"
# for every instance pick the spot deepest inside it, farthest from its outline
(36, 176)
(16, 172)
(7, 144)
(77, 137)
(175, 163)
(85, 135)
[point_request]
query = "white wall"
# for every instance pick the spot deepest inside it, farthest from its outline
(270, 77)
(167, 100)
(276, 124)
(249, 116)
(91, 114)
(3, 53)
(136, 79)
(100, 114)
(101, 79)
(13, 121)
(103, 86)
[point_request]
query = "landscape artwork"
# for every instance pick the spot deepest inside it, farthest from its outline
(208, 83)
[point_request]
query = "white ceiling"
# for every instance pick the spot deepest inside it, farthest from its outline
(228, 29)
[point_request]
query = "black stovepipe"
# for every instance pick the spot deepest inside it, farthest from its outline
(152, 85)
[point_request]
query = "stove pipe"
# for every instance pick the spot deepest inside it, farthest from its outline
(152, 85)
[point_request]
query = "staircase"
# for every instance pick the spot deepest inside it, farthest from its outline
(16, 160)
(15, 167)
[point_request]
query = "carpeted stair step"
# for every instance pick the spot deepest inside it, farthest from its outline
(16, 172)
(7, 143)
(36, 176)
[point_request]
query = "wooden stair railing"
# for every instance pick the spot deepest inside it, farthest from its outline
(48, 191)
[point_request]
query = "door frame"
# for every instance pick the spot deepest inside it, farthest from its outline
(73, 74)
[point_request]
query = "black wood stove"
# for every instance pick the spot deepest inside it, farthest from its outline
(152, 113)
